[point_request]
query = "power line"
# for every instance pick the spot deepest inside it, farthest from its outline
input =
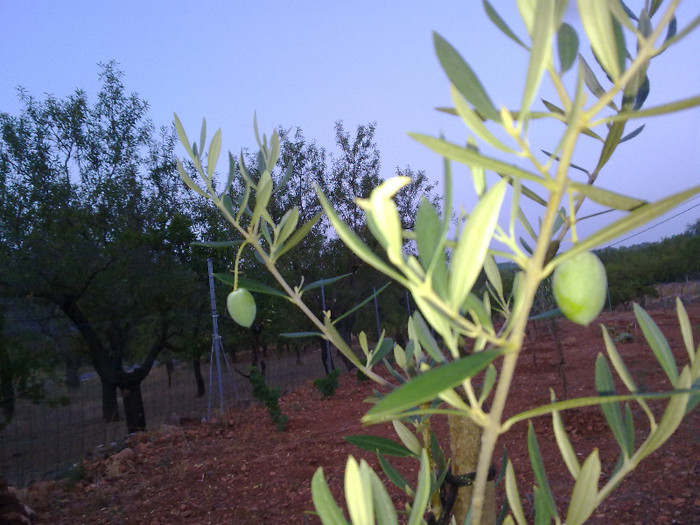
(655, 225)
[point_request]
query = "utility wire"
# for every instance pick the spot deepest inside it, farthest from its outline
(655, 225)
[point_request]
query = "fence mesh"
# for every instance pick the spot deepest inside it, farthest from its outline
(44, 442)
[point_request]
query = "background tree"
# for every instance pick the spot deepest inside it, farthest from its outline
(92, 221)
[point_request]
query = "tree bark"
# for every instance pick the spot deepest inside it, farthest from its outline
(465, 443)
(134, 413)
(110, 406)
(72, 376)
(199, 380)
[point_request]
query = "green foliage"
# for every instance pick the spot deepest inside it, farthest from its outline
(634, 271)
(269, 396)
(92, 208)
(328, 385)
(440, 264)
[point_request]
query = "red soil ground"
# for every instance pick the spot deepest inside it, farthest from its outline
(240, 470)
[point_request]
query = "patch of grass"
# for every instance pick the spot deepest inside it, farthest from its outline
(328, 385)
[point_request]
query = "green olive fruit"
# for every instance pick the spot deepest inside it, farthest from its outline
(580, 286)
(241, 306)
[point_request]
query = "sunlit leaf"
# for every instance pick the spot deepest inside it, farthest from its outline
(422, 492)
(214, 151)
(407, 437)
(353, 241)
(464, 78)
(325, 505)
(613, 415)
(658, 343)
(383, 505)
(514, 495)
(425, 387)
(358, 493)
(298, 235)
(473, 244)
(563, 442)
(540, 52)
(473, 121)
(583, 501)
(598, 23)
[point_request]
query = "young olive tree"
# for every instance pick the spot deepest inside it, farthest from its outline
(431, 378)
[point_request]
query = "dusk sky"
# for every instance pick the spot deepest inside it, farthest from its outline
(308, 64)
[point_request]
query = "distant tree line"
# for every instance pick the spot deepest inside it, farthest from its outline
(634, 271)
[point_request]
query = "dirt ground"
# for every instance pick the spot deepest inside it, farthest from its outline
(240, 470)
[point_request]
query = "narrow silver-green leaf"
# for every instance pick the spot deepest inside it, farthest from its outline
(663, 109)
(214, 151)
(608, 198)
(590, 79)
(617, 362)
(383, 505)
(598, 23)
(383, 348)
(249, 284)
(673, 415)
(358, 493)
(658, 343)
(422, 491)
(426, 387)
(473, 244)
(202, 136)
(353, 241)
(686, 329)
(583, 497)
(182, 135)
(540, 52)
(470, 157)
(638, 217)
(500, 23)
(407, 437)
(217, 244)
(464, 78)
(613, 415)
(188, 181)
(513, 495)
(473, 121)
(325, 505)
(564, 443)
(361, 303)
(533, 449)
(543, 512)
(394, 475)
(493, 274)
(288, 224)
(425, 338)
(567, 46)
(298, 235)
(379, 445)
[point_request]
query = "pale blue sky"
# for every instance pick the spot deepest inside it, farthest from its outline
(310, 63)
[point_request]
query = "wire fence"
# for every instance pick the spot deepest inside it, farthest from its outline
(45, 442)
